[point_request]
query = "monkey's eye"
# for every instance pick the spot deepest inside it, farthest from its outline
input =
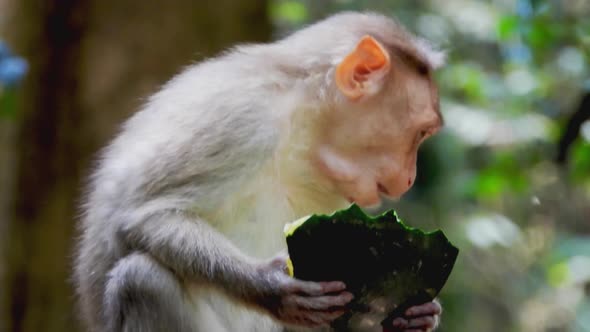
(422, 70)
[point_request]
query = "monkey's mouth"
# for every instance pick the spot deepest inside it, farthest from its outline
(384, 194)
(382, 189)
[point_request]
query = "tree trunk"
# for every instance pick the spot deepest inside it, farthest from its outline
(91, 63)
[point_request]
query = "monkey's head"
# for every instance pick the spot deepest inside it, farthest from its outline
(384, 105)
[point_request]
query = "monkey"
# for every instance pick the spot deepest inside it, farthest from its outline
(181, 224)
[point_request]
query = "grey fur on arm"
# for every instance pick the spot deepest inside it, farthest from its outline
(193, 250)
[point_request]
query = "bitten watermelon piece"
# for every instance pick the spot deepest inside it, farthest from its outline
(387, 265)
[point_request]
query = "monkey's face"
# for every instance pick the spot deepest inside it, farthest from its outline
(368, 146)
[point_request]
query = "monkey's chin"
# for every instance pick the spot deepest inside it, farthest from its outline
(377, 207)
(373, 205)
(387, 198)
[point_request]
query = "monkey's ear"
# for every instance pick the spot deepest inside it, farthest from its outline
(362, 70)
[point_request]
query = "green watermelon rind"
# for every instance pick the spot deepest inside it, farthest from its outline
(411, 285)
(355, 212)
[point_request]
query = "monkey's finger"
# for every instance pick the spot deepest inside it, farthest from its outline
(425, 322)
(306, 287)
(325, 317)
(332, 286)
(315, 288)
(426, 309)
(400, 323)
(279, 262)
(320, 302)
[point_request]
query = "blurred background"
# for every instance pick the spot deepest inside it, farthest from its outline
(508, 179)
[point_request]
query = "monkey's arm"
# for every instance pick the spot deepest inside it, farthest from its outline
(191, 248)
(195, 251)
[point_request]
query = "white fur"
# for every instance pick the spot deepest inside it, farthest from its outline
(227, 140)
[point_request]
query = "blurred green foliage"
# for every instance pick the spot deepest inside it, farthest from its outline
(292, 12)
(515, 74)
(7, 104)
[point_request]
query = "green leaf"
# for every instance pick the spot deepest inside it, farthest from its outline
(466, 78)
(293, 12)
(7, 104)
(542, 33)
(580, 160)
(385, 264)
(557, 274)
(507, 27)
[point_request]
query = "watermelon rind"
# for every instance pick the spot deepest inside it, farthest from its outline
(387, 265)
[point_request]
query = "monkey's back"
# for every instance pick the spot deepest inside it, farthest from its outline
(140, 172)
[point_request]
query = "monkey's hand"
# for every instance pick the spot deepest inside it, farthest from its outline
(421, 318)
(297, 302)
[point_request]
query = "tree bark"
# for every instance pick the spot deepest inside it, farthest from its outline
(91, 63)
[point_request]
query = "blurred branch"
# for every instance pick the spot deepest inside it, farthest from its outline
(572, 129)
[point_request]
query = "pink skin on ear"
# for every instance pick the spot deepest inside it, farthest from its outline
(360, 72)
